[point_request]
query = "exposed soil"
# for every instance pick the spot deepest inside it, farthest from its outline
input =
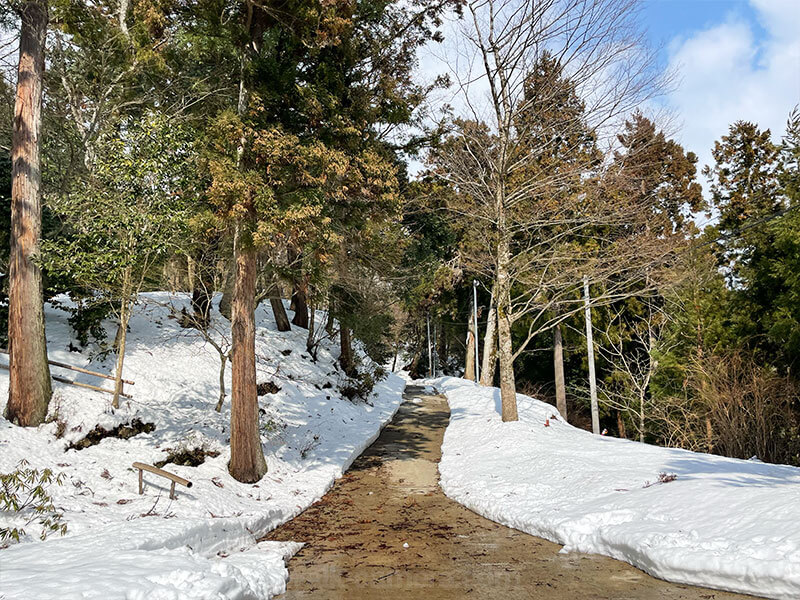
(267, 387)
(187, 457)
(356, 534)
(123, 432)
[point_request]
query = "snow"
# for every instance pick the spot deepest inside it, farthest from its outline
(721, 523)
(203, 544)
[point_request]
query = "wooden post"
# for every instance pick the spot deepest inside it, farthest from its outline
(590, 352)
(161, 472)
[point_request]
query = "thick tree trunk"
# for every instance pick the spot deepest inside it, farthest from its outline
(346, 356)
(558, 367)
(300, 301)
(201, 305)
(508, 391)
(469, 363)
(279, 312)
(29, 388)
(489, 362)
(247, 457)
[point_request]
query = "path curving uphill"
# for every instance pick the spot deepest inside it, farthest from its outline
(386, 531)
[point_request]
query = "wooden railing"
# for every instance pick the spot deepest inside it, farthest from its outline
(58, 378)
(155, 470)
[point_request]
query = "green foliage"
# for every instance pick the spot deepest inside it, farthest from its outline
(131, 213)
(24, 494)
(659, 171)
(755, 191)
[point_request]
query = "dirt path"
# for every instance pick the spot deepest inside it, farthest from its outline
(355, 536)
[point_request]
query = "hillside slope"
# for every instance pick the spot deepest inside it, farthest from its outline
(202, 545)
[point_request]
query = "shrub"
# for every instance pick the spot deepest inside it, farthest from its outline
(24, 494)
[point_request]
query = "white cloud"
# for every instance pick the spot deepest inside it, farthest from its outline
(736, 71)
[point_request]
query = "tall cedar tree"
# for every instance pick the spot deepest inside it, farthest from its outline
(29, 381)
(299, 162)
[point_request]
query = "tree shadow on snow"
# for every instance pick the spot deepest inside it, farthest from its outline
(732, 472)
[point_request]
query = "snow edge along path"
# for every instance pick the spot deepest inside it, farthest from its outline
(186, 559)
(722, 523)
(202, 546)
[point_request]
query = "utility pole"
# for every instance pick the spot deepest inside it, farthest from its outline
(430, 357)
(590, 350)
(475, 323)
(435, 350)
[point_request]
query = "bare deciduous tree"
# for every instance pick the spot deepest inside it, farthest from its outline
(632, 347)
(557, 77)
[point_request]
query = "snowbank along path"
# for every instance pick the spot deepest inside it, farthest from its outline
(386, 531)
(719, 522)
(121, 545)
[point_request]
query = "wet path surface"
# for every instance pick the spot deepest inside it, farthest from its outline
(356, 536)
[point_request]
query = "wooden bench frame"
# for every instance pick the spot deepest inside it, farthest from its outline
(155, 470)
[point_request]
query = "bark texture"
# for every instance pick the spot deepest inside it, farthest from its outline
(247, 457)
(279, 312)
(489, 362)
(558, 367)
(29, 388)
(469, 363)
(300, 301)
(508, 389)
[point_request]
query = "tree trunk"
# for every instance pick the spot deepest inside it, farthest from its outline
(490, 343)
(469, 363)
(122, 337)
(346, 356)
(279, 312)
(226, 302)
(641, 416)
(223, 361)
(29, 388)
(621, 426)
(508, 391)
(201, 305)
(310, 336)
(300, 301)
(329, 316)
(558, 367)
(247, 457)
(202, 291)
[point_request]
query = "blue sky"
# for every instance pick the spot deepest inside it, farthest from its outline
(732, 60)
(668, 19)
(735, 59)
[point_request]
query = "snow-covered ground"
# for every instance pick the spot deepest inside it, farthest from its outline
(202, 545)
(722, 523)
